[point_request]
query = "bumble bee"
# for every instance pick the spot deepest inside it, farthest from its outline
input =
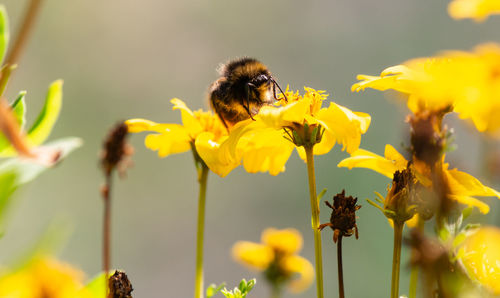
(244, 87)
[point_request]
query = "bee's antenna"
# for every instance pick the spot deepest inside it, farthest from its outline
(276, 84)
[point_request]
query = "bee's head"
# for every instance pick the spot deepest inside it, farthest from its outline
(265, 82)
(261, 80)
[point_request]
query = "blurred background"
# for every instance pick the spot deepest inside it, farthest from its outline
(127, 59)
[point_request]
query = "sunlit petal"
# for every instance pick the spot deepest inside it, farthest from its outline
(301, 266)
(253, 255)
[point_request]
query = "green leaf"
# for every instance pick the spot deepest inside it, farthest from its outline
(18, 107)
(251, 283)
(8, 184)
(243, 285)
(42, 127)
(4, 32)
(25, 171)
(213, 289)
(320, 196)
(28, 170)
(467, 212)
(459, 239)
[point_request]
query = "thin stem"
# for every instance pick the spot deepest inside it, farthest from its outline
(396, 258)
(414, 268)
(106, 257)
(7, 123)
(20, 41)
(276, 291)
(202, 180)
(339, 263)
(315, 220)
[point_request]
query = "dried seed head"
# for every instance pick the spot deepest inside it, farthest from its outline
(120, 286)
(343, 218)
(402, 197)
(428, 137)
(116, 150)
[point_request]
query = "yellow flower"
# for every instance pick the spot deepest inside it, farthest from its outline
(465, 82)
(481, 257)
(463, 187)
(277, 253)
(262, 145)
(478, 10)
(43, 277)
(200, 130)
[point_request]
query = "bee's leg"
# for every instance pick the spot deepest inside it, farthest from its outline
(217, 110)
(274, 89)
(247, 106)
(223, 121)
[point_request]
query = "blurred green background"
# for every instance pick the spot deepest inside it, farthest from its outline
(126, 59)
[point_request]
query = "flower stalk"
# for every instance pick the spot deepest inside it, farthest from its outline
(415, 270)
(115, 156)
(106, 228)
(202, 180)
(19, 43)
(396, 258)
(340, 271)
(315, 220)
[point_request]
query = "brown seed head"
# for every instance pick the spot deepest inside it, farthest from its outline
(428, 137)
(343, 218)
(120, 286)
(116, 150)
(402, 196)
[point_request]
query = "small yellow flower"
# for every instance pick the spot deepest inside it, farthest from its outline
(462, 186)
(277, 257)
(200, 130)
(479, 10)
(465, 82)
(262, 145)
(43, 277)
(481, 257)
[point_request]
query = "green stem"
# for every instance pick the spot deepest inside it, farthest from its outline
(340, 272)
(202, 180)
(276, 291)
(315, 220)
(415, 269)
(396, 258)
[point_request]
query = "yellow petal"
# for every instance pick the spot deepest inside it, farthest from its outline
(462, 183)
(478, 10)
(471, 201)
(287, 241)
(482, 257)
(391, 80)
(265, 150)
(209, 151)
(278, 117)
(168, 143)
(44, 277)
(141, 125)
(253, 255)
(386, 166)
(344, 125)
(298, 265)
(189, 120)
